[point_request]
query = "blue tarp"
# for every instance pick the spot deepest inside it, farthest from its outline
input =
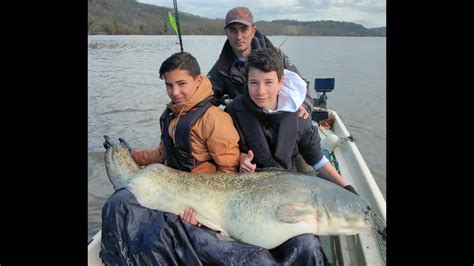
(135, 235)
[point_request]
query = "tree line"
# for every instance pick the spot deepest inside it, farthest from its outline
(128, 17)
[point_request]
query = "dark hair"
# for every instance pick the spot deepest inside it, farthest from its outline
(266, 60)
(183, 61)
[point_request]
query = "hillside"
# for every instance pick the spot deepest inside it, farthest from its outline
(122, 17)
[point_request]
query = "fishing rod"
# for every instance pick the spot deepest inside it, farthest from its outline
(175, 4)
(279, 46)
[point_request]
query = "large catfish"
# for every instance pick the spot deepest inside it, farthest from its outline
(263, 208)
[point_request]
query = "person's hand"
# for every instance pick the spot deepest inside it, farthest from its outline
(189, 216)
(246, 165)
(303, 112)
(351, 189)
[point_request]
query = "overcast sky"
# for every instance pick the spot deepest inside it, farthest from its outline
(369, 13)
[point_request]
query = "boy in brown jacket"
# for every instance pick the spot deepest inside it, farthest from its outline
(196, 135)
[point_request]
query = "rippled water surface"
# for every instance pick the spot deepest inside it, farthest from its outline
(126, 96)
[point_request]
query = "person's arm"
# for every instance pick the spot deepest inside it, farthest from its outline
(328, 171)
(148, 156)
(222, 140)
(246, 155)
(310, 148)
(331, 174)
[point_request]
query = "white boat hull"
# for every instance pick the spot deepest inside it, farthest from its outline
(93, 250)
(363, 248)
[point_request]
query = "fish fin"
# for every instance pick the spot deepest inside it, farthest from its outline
(223, 236)
(295, 212)
(210, 225)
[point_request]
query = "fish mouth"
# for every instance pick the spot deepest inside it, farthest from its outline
(373, 219)
(368, 221)
(378, 225)
(369, 214)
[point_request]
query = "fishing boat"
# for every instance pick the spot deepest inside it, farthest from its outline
(368, 247)
(365, 248)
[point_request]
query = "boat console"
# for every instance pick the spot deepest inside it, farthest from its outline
(321, 86)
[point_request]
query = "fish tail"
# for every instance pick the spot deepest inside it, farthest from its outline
(119, 164)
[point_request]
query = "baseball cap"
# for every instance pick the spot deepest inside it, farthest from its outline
(240, 15)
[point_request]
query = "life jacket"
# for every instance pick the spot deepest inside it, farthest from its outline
(178, 154)
(251, 122)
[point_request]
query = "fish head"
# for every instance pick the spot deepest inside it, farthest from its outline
(344, 214)
(358, 218)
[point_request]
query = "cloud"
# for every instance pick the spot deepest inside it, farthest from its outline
(369, 13)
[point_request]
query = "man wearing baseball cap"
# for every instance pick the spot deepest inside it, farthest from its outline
(239, 14)
(228, 73)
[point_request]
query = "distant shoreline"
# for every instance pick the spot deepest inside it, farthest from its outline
(128, 17)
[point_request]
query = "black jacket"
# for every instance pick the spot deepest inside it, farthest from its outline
(276, 138)
(228, 74)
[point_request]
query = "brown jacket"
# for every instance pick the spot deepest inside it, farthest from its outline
(213, 137)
